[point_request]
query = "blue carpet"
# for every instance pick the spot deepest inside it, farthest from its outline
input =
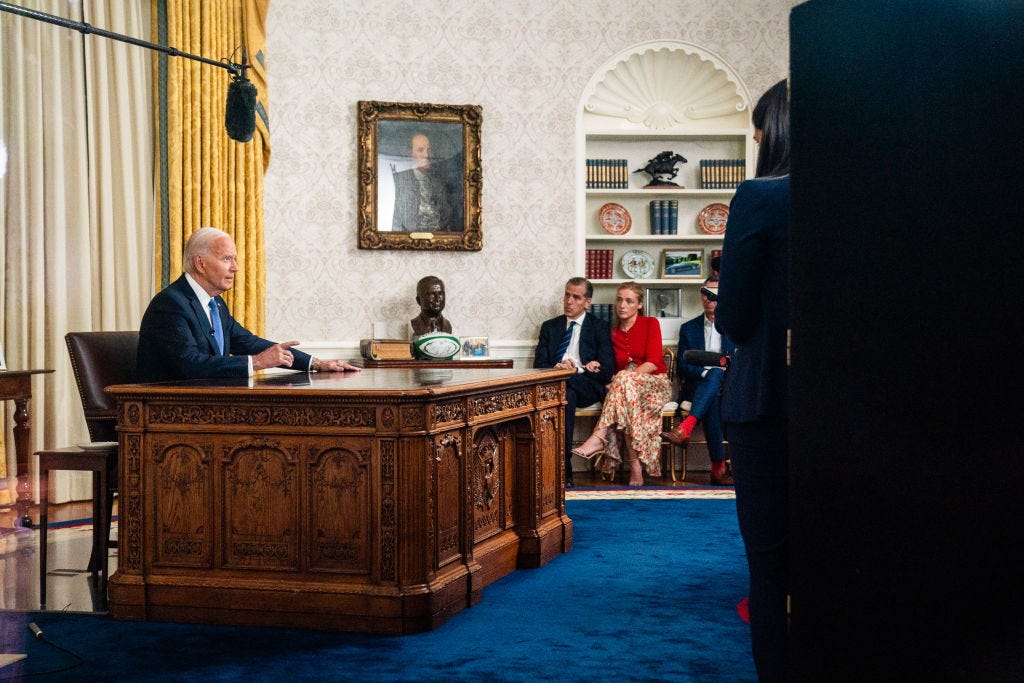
(649, 592)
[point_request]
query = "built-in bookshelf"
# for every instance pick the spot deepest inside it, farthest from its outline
(625, 118)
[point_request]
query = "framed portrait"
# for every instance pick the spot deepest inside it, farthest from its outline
(419, 176)
(682, 263)
(663, 302)
(475, 347)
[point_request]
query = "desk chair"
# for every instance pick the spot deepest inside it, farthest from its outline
(98, 359)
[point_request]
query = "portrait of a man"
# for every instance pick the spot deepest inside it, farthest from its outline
(420, 177)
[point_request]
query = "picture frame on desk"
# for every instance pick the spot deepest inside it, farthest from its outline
(682, 263)
(475, 347)
(407, 151)
(663, 302)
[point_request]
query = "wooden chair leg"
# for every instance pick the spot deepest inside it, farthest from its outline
(44, 485)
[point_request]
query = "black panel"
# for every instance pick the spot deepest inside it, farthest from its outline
(906, 311)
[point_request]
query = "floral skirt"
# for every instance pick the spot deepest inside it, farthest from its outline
(633, 407)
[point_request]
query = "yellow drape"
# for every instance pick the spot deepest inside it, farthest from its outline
(203, 177)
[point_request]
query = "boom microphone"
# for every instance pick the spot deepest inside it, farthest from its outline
(694, 357)
(240, 109)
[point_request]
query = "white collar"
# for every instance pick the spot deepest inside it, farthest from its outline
(201, 294)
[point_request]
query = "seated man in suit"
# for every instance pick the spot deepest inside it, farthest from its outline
(701, 385)
(187, 332)
(581, 342)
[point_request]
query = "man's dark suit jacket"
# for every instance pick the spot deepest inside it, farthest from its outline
(595, 344)
(176, 340)
(691, 337)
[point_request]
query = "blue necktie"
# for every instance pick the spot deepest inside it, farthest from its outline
(218, 331)
(563, 346)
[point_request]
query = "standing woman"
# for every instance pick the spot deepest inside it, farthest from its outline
(752, 310)
(637, 394)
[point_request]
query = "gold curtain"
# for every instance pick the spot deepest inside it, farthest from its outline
(203, 177)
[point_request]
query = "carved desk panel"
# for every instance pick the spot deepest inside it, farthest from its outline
(381, 501)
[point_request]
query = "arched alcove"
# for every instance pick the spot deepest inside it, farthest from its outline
(655, 97)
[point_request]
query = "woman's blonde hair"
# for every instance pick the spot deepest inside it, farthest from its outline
(636, 289)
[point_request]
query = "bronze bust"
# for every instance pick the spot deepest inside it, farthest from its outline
(430, 297)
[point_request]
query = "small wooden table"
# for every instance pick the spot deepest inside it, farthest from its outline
(16, 385)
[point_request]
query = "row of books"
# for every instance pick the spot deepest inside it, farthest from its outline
(664, 216)
(602, 311)
(599, 264)
(721, 174)
(607, 174)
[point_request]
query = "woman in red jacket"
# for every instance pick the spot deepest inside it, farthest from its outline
(638, 392)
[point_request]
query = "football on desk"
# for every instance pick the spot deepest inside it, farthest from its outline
(435, 346)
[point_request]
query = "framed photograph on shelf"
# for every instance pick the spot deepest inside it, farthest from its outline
(475, 347)
(682, 263)
(663, 302)
(419, 176)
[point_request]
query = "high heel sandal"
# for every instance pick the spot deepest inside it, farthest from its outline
(591, 447)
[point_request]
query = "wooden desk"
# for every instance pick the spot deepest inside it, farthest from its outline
(478, 363)
(16, 385)
(380, 501)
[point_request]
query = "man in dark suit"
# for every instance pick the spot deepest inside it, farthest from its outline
(701, 384)
(580, 342)
(178, 338)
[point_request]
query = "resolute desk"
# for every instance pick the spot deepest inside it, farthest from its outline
(381, 501)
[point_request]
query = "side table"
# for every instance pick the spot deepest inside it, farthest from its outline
(16, 385)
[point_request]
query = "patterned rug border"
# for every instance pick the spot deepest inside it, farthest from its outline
(649, 494)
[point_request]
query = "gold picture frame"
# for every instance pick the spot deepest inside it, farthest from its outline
(412, 152)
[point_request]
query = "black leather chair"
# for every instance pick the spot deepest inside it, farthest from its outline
(99, 359)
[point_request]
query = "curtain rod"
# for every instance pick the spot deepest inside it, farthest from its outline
(86, 29)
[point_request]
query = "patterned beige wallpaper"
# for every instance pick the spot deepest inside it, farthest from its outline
(526, 62)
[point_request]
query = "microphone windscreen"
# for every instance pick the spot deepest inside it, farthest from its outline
(240, 110)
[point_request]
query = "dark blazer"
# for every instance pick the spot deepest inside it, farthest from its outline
(753, 296)
(595, 344)
(176, 340)
(691, 337)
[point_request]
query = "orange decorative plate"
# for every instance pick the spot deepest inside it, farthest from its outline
(614, 219)
(712, 218)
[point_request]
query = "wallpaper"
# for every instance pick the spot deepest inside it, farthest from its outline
(526, 62)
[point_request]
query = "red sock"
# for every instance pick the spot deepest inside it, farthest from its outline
(717, 469)
(686, 428)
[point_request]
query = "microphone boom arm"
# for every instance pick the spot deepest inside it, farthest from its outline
(237, 70)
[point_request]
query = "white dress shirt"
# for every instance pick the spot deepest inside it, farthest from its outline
(573, 351)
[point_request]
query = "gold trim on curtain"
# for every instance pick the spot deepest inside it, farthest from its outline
(204, 177)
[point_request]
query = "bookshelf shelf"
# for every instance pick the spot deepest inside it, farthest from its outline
(714, 239)
(662, 193)
(626, 120)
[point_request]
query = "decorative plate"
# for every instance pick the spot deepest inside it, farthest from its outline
(637, 264)
(614, 219)
(712, 218)
(97, 445)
